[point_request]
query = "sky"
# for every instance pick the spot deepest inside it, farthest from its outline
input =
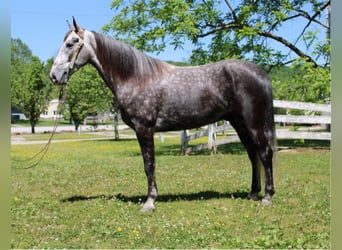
(41, 24)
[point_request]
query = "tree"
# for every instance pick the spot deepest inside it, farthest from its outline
(86, 94)
(301, 82)
(29, 84)
(244, 31)
(20, 52)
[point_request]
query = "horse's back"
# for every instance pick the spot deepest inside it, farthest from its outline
(249, 81)
(231, 75)
(246, 72)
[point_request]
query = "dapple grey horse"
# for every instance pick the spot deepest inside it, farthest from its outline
(156, 96)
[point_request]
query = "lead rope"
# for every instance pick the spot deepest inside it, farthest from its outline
(40, 155)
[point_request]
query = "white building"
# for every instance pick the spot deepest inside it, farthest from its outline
(52, 111)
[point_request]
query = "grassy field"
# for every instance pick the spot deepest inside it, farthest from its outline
(87, 194)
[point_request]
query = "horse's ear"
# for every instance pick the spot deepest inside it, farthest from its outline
(69, 25)
(76, 26)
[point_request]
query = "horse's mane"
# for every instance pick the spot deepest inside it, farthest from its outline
(122, 62)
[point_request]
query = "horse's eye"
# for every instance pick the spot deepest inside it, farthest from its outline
(69, 45)
(75, 40)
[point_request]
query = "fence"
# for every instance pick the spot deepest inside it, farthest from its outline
(310, 132)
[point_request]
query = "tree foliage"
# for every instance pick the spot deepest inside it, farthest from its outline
(87, 94)
(302, 82)
(30, 87)
(219, 30)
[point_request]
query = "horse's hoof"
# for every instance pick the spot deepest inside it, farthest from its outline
(145, 209)
(267, 201)
(253, 196)
(148, 207)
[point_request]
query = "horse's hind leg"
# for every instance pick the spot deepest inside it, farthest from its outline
(258, 147)
(247, 141)
(265, 153)
(266, 156)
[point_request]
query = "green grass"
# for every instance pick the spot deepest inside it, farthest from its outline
(87, 195)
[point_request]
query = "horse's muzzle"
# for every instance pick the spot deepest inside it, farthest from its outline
(59, 78)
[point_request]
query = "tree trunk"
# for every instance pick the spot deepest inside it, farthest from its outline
(116, 119)
(116, 125)
(33, 125)
(77, 125)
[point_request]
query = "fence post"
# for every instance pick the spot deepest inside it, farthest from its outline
(212, 138)
(184, 139)
(161, 137)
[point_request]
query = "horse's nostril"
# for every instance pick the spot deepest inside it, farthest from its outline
(53, 78)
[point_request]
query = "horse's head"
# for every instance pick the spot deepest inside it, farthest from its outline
(71, 56)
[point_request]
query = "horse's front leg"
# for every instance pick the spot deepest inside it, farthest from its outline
(146, 141)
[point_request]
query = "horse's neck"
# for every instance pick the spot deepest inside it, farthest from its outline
(109, 82)
(120, 64)
(98, 63)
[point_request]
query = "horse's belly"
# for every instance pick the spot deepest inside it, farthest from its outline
(183, 119)
(191, 109)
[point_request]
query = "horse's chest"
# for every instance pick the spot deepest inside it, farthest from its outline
(138, 104)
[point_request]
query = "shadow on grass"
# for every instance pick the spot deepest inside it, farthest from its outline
(301, 143)
(120, 140)
(235, 148)
(203, 195)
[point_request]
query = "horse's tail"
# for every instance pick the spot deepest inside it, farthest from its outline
(271, 129)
